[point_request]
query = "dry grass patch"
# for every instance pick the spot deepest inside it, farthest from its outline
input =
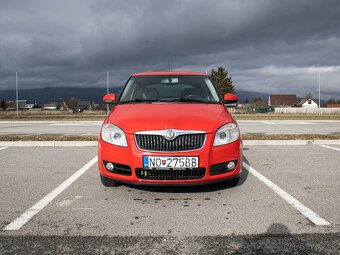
(48, 138)
(291, 136)
(95, 138)
(284, 117)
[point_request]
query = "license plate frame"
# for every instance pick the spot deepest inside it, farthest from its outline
(171, 162)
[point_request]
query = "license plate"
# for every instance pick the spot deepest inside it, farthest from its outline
(150, 162)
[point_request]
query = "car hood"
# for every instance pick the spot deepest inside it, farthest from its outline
(140, 117)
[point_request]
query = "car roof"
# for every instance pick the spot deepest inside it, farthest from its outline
(169, 73)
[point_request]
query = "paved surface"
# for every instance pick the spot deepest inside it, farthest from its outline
(290, 126)
(87, 218)
(93, 127)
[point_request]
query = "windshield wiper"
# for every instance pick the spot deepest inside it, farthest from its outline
(181, 99)
(139, 100)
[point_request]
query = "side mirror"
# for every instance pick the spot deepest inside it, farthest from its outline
(230, 100)
(109, 98)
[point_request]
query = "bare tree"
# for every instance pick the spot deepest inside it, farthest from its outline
(3, 104)
(72, 102)
(258, 102)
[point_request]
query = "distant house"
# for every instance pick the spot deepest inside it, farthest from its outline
(283, 100)
(62, 106)
(31, 106)
(51, 106)
(28, 106)
(333, 106)
(12, 105)
(308, 103)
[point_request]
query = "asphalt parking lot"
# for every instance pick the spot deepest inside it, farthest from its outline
(80, 215)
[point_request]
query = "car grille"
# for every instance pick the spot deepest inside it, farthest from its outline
(185, 142)
(167, 174)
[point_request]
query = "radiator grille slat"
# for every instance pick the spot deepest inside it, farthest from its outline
(185, 142)
(168, 174)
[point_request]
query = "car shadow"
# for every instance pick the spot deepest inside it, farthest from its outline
(195, 189)
(278, 239)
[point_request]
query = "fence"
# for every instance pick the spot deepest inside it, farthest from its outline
(311, 111)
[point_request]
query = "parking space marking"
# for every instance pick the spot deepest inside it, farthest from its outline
(308, 213)
(29, 214)
(330, 147)
(2, 148)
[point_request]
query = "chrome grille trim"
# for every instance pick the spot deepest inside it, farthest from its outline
(155, 141)
(177, 132)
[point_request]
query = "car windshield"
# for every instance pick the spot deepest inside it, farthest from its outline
(188, 89)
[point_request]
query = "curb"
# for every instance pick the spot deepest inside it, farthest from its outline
(49, 144)
(95, 143)
(290, 142)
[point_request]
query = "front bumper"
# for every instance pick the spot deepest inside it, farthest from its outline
(133, 157)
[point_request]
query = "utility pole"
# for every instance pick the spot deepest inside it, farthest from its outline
(16, 92)
(107, 92)
(319, 94)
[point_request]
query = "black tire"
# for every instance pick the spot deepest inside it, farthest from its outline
(107, 182)
(233, 182)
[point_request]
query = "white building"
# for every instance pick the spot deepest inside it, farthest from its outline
(308, 103)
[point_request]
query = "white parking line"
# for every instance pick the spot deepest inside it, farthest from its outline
(29, 214)
(308, 213)
(2, 148)
(330, 147)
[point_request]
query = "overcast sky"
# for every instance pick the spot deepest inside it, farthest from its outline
(266, 45)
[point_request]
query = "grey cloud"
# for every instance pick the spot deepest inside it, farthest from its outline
(74, 43)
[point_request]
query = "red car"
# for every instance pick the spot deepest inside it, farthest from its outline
(169, 128)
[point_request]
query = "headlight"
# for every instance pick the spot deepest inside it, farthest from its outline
(114, 135)
(228, 133)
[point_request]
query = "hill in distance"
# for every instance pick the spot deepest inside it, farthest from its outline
(250, 95)
(58, 94)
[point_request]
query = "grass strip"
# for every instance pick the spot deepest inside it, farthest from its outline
(284, 117)
(95, 138)
(11, 138)
(101, 117)
(291, 136)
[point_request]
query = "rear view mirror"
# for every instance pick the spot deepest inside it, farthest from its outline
(230, 100)
(109, 98)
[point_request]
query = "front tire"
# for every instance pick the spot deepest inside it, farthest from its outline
(107, 182)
